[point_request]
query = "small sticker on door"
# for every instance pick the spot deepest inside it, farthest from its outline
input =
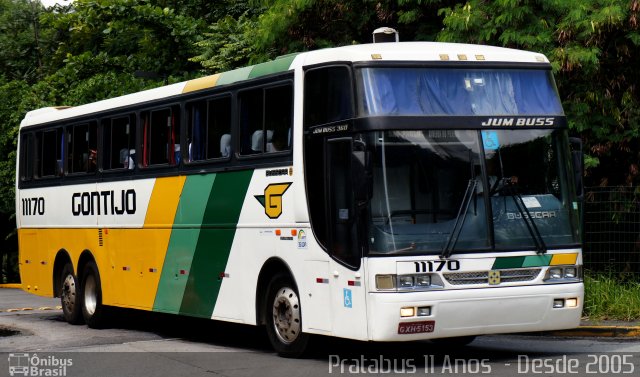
(302, 239)
(348, 303)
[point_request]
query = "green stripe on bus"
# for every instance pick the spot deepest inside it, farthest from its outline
(508, 262)
(281, 64)
(214, 243)
(537, 260)
(522, 262)
(183, 242)
(234, 76)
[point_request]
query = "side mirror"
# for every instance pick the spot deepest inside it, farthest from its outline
(577, 160)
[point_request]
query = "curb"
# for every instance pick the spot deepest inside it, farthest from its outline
(599, 331)
(31, 309)
(11, 285)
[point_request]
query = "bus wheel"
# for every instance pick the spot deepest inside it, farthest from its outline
(284, 319)
(92, 309)
(70, 296)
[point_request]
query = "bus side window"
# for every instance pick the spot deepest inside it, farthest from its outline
(251, 109)
(27, 156)
(82, 148)
(49, 161)
(266, 116)
(218, 125)
(196, 131)
(278, 117)
(327, 95)
(119, 143)
(161, 137)
(209, 124)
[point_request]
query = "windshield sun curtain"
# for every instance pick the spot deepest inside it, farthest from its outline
(460, 92)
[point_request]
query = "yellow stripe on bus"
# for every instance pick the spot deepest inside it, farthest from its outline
(164, 202)
(142, 251)
(559, 259)
(201, 83)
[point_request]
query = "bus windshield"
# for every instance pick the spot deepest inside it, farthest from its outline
(493, 183)
(457, 91)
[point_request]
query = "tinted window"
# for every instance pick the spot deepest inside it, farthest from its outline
(81, 148)
(327, 95)
(49, 144)
(119, 143)
(209, 131)
(266, 116)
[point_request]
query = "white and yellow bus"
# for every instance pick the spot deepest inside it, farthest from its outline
(378, 192)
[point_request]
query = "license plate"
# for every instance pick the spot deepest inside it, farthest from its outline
(416, 327)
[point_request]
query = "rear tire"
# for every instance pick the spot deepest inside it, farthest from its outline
(283, 317)
(70, 297)
(93, 311)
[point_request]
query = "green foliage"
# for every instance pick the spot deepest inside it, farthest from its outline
(80, 54)
(25, 45)
(125, 35)
(607, 297)
(270, 28)
(225, 46)
(593, 47)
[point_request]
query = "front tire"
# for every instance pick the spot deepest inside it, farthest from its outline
(70, 297)
(93, 311)
(284, 318)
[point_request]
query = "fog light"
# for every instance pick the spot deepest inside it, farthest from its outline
(407, 312)
(571, 302)
(555, 273)
(406, 281)
(558, 303)
(424, 311)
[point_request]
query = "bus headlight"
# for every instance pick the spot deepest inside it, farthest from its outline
(408, 283)
(555, 273)
(423, 280)
(405, 281)
(570, 273)
(563, 274)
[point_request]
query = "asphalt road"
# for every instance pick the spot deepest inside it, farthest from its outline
(148, 344)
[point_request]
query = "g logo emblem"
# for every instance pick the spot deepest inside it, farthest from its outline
(272, 199)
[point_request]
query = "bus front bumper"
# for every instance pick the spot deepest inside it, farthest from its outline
(474, 311)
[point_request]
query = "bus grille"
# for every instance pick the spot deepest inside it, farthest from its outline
(482, 277)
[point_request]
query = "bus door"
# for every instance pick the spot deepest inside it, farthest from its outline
(346, 269)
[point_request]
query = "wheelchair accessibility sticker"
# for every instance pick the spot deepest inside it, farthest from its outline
(490, 140)
(348, 303)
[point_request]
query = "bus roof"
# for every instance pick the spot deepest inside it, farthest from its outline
(402, 51)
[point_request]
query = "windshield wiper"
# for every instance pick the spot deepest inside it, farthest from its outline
(541, 247)
(457, 226)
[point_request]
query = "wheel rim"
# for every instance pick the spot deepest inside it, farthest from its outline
(69, 293)
(286, 315)
(90, 295)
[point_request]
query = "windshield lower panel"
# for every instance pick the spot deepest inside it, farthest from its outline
(426, 182)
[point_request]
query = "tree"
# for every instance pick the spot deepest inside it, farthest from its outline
(593, 47)
(269, 28)
(25, 45)
(80, 54)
